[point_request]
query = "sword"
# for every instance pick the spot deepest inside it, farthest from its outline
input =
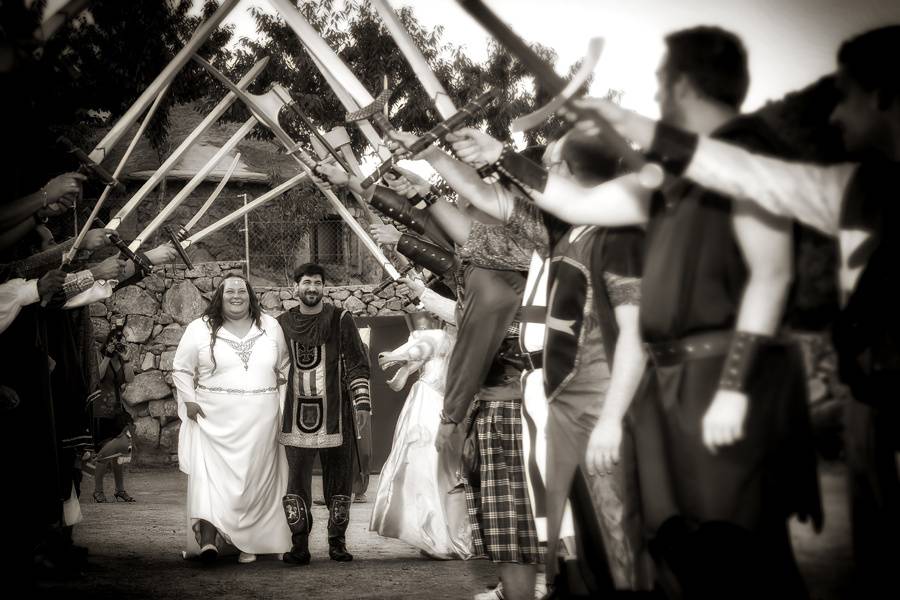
(651, 175)
(212, 197)
(185, 145)
(176, 241)
(306, 162)
(437, 133)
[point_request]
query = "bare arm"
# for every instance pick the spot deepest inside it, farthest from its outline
(616, 203)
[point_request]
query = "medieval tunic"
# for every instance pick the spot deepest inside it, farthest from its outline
(328, 382)
(236, 469)
(694, 277)
(592, 271)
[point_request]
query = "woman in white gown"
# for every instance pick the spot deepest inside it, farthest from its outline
(229, 371)
(418, 499)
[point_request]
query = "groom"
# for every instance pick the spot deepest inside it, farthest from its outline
(327, 402)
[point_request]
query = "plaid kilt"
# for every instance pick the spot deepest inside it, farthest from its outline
(500, 514)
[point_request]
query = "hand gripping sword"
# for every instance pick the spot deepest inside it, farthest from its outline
(306, 162)
(651, 175)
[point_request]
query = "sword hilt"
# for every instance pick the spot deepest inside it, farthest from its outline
(176, 238)
(89, 166)
(374, 111)
(383, 285)
(140, 261)
(437, 133)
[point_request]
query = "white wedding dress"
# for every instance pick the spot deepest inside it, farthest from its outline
(237, 471)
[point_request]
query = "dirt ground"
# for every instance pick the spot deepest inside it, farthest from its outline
(135, 552)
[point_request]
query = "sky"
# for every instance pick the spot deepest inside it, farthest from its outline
(790, 43)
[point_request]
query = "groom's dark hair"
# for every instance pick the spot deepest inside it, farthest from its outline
(309, 269)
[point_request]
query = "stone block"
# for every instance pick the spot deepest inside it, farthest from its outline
(101, 329)
(184, 302)
(163, 408)
(98, 309)
(394, 304)
(156, 349)
(340, 295)
(146, 432)
(286, 294)
(149, 362)
(271, 300)
(154, 283)
(138, 328)
(164, 319)
(378, 302)
(289, 304)
(166, 359)
(354, 305)
(372, 310)
(388, 292)
(168, 437)
(204, 284)
(157, 329)
(146, 386)
(132, 300)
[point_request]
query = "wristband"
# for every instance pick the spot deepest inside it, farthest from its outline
(521, 171)
(76, 283)
(738, 369)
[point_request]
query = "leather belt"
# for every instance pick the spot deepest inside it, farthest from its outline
(702, 345)
(525, 361)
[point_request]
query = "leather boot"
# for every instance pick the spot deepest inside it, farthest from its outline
(299, 520)
(338, 519)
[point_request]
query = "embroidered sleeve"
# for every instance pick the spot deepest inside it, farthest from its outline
(355, 358)
(360, 394)
(37, 265)
(622, 290)
(15, 294)
(184, 366)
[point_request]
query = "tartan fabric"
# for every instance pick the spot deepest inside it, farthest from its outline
(500, 514)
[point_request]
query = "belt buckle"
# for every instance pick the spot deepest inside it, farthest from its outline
(528, 360)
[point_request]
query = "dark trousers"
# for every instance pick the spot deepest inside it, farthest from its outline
(337, 475)
(489, 308)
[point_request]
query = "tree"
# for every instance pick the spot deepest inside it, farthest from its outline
(357, 34)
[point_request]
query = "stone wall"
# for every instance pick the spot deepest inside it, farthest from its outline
(156, 311)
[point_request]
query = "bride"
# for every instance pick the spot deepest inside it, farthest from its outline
(229, 371)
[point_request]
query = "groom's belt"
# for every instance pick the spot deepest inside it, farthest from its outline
(524, 361)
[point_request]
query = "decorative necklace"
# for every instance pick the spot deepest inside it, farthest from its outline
(244, 348)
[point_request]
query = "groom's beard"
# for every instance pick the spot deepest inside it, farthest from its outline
(311, 298)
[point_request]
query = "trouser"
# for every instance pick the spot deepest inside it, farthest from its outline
(362, 464)
(491, 300)
(872, 441)
(337, 480)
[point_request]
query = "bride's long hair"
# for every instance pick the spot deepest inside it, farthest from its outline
(214, 316)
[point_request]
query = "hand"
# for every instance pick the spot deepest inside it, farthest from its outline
(385, 234)
(51, 283)
(603, 447)
(96, 239)
(328, 175)
(67, 184)
(401, 185)
(54, 209)
(111, 268)
(362, 419)
(414, 286)
(399, 143)
(475, 147)
(419, 183)
(723, 423)
(444, 438)
(193, 411)
(163, 254)
(628, 124)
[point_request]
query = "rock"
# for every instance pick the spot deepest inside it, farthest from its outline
(169, 381)
(146, 432)
(156, 349)
(132, 300)
(394, 304)
(156, 329)
(388, 312)
(216, 282)
(340, 295)
(149, 385)
(142, 410)
(372, 310)
(410, 308)
(354, 305)
(155, 283)
(163, 408)
(164, 319)
(168, 437)
(289, 304)
(204, 283)
(101, 329)
(357, 294)
(388, 292)
(98, 309)
(286, 294)
(208, 295)
(138, 328)
(378, 302)
(369, 298)
(166, 359)
(271, 300)
(149, 362)
(183, 302)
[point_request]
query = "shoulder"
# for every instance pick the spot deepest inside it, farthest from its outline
(198, 325)
(753, 133)
(620, 250)
(268, 322)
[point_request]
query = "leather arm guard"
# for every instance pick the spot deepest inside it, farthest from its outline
(360, 395)
(518, 170)
(738, 371)
(396, 207)
(427, 255)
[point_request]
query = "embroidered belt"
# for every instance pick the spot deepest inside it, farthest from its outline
(237, 391)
